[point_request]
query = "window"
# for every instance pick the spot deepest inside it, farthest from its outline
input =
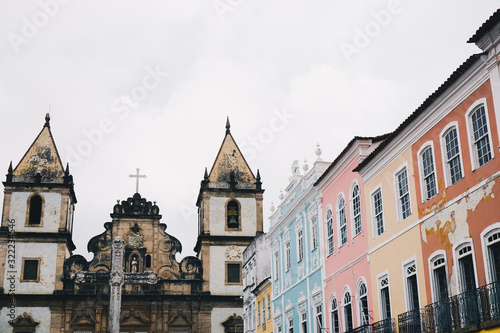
(493, 253)
(268, 307)
(452, 159)
(31, 270)
(385, 298)
(378, 212)
(329, 227)
(427, 174)
(290, 325)
(287, 252)
(319, 319)
(314, 233)
(300, 242)
(356, 209)
(233, 215)
(258, 313)
(411, 286)
(466, 272)
(276, 265)
(439, 278)
(35, 210)
(342, 220)
(233, 273)
(334, 317)
(347, 311)
(403, 194)
(263, 311)
(479, 136)
(303, 324)
(148, 261)
(363, 304)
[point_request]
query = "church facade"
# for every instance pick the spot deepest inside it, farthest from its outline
(45, 287)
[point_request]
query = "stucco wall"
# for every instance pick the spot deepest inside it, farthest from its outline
(50, 211)
(220, 315)
(39, 314)
(218, 272)
(218, 216)
(48, 254)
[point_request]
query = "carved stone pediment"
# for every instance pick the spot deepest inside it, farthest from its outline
(180, 319)
(83, 317)
(133, 318)
(24, 320)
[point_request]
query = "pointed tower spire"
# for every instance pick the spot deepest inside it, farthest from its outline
(47, 120)
(205, 177)
(258, 183)
(228, 126)
(67, 169)
(9, 173)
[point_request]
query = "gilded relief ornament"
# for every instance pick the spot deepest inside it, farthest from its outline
(233, 253)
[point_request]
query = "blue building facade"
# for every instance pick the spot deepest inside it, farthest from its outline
(296, 254)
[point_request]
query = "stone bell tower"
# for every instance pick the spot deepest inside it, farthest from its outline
(36, 228)
(229, 217)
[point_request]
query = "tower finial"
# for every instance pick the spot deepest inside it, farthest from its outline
(205, 177)
(228, 126)
(47, 120)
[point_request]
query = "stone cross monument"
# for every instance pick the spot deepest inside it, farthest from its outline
(117, 278)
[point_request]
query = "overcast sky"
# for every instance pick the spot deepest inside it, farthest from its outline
(149, 84)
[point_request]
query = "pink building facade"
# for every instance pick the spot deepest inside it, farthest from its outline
(346, 269)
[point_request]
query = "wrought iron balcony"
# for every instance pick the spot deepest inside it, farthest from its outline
(384, 326)
(473, 308)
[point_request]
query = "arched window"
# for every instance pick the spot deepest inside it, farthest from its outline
(233, 215)
(363, 304)
(334, 316)
(356, 209)
(342, 220)
(450, 143)
(493, 254)
(427, 172)
(347, 305)
(479, 134)
(439, 277)
(35, 210)
(329, 227)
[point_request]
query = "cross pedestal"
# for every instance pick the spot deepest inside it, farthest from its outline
(117, 278)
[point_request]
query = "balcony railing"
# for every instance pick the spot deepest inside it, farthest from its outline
(383, 326)
(471, 308)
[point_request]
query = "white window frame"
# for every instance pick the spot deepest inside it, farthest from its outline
(487, 232)
(470, 132)
(405, 265)
(300, 244)
(332, 237)
(359, 306)
(436, 255)
(456, 267)
(444, 155)
(382, 276)
(351, 206)
(302, 321)
(288, 255)
(339, 226)
(423, 185)
(276, 263)
(395, 175)
(314, 232)
(373, 192)
(347, 290)
(333, 299)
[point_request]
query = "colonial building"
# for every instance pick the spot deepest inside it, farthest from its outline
(134, 282)
(257, 286)
(297, 258)
(348, 293)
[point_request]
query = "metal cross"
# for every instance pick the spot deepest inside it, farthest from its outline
(137, 176)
